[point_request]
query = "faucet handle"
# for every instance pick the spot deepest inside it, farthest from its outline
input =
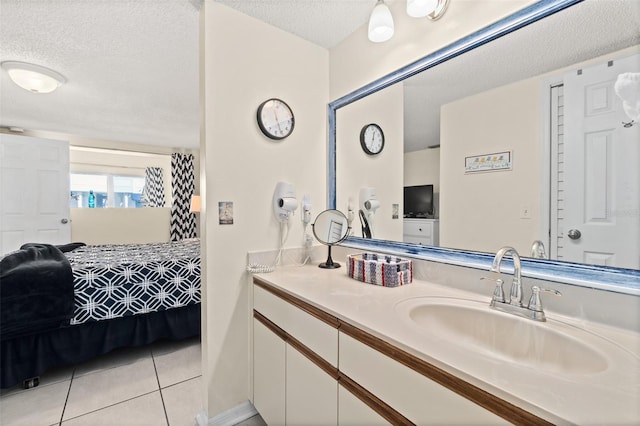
(498, 292)
(535, 304)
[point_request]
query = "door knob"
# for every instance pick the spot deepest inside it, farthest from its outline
(574, 234)
(64, 221)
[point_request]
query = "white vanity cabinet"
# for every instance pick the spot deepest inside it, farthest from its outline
(295, 357)
(419, 399)
(425, 232)
(269, 374)
(311, 367)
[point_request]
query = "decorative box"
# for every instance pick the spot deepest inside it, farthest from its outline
(378, 269)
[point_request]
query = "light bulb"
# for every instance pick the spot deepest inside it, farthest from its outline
(380, 23)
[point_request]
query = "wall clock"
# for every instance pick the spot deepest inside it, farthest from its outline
(372, 139)
(275, 119)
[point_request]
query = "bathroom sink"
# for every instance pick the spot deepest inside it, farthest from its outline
(553, 347)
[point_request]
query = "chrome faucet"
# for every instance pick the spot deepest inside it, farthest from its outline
(514, 305)
(515, 295)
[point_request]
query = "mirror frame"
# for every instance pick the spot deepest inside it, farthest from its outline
(618, 280)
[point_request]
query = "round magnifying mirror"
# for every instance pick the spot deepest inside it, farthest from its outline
(331, 227)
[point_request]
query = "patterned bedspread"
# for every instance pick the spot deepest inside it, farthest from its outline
(113, 281)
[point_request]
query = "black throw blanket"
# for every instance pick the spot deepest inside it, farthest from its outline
(36, 291)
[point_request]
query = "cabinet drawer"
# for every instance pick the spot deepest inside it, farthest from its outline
(418, 229)
(312, 332)
(418, 240)
(413, 395)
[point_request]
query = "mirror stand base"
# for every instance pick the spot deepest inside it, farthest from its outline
(329, 264)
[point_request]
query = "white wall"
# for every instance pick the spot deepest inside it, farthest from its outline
(482, 211)
(243, 63)
(423, 168)
(121, 226)
(384, 108)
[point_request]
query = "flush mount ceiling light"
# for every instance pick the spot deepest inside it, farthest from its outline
(380, 23)
(432, 9)
(33, 78)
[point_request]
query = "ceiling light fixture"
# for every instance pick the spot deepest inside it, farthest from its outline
(432, 9)
(34, 78)
(380, 23)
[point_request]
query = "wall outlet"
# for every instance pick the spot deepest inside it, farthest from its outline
(525, 211)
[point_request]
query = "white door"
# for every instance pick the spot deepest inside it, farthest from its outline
(602, 177)
(34, 191)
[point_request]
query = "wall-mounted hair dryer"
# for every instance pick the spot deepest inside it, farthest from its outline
(284, 201)
(368, 201)
(368, 204)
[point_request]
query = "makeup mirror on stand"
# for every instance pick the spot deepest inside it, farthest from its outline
(331, 227)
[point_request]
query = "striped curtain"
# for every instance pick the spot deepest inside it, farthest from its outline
(183, 222)
(153, 191)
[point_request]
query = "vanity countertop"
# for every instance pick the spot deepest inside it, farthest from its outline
(611, 396)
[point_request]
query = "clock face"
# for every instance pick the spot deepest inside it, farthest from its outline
(372, 139)
(275, 119)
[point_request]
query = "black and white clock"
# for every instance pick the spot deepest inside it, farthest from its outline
(372, 139)
(275, 119)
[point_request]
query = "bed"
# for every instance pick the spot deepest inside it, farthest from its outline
(65, 304)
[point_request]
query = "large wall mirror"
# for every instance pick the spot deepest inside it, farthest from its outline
(523, 138)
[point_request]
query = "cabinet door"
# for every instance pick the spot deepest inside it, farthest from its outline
(312, 394)
(352, 411)
(413, 395)
(269, 357)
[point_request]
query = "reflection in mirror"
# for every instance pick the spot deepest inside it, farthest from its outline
(524, 140)
(330, 227)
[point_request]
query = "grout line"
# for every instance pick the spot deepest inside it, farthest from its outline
(112, 405)
(153, 359)
(181, 381)
(66, 400)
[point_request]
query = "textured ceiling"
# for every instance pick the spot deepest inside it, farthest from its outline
(132, 65)
(587, 30)
(131, 68)
(323, 22)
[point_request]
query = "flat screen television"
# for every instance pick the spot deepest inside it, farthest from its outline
(418, 201)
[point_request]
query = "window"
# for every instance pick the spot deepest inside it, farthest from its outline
(110, 190)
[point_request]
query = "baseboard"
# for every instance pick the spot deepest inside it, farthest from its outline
(231, 417)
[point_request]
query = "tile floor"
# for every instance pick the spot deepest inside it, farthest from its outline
(157, 384)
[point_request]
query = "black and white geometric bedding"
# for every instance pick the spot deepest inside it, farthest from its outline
(112, 281)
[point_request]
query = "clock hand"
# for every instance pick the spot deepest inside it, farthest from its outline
(275, 113)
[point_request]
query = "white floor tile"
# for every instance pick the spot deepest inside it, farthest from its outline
(144, 410)
(177, 361)
(110, 386)
(116, 358)
(183, 402)
(40, 406)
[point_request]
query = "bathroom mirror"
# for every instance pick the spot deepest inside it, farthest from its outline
(330, 227)
(516, 203)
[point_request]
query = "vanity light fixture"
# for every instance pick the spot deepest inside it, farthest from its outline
(34, 78)
(432, 9)
(381, 26)
(380, 23)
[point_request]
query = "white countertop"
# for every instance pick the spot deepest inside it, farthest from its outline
(611, 396)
